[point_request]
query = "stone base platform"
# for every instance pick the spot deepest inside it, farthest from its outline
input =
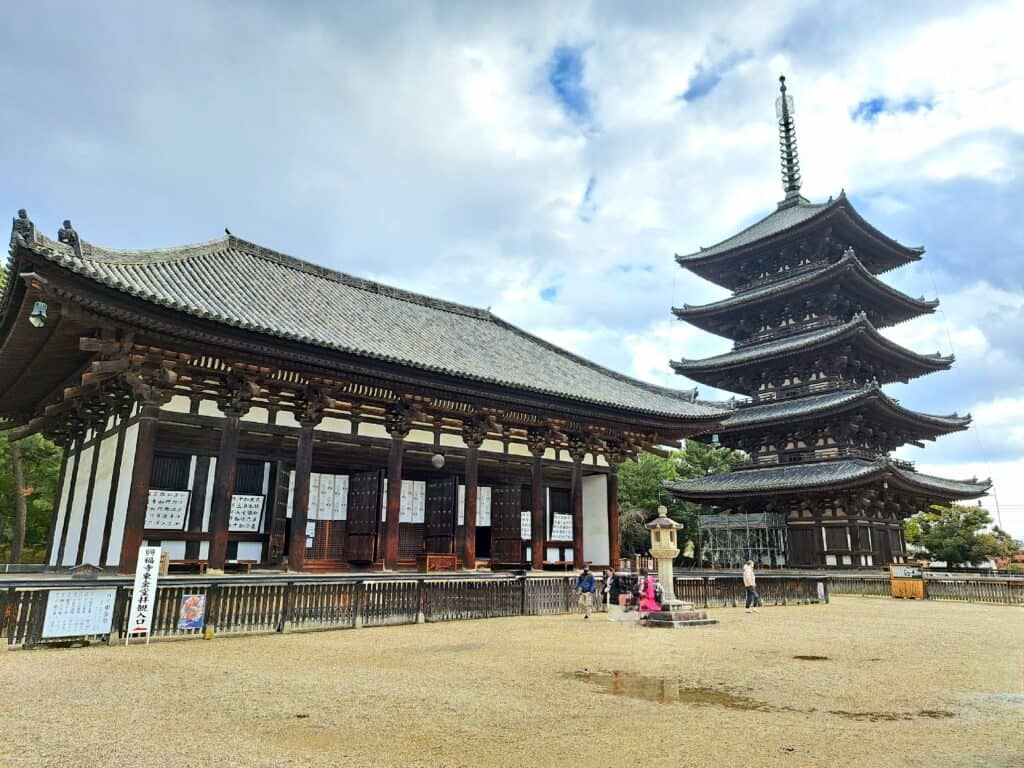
(679, 618)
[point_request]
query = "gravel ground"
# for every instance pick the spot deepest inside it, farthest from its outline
(904, 684)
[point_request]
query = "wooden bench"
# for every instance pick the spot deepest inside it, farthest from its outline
(427, 563)
(198, 564)
(242, 565)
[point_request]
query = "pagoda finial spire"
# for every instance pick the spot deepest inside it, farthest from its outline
(787, 145)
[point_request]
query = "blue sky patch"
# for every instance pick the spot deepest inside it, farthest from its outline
(588, 207)
(565, 74)
(701, 84)
(550, 293)
(868, 110)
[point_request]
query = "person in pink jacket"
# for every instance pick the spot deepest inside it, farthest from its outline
(750, 582)
(648, 593)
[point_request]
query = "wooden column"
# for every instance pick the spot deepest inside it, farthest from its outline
(300, 496)
(394, 500)
(138, 497)
(613, 513)
(537, 444)
(223, 489)
(473, 432)
(577, 451)
(197, 506)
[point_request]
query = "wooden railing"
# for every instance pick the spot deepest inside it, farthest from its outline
(994, 590)
(253, 605)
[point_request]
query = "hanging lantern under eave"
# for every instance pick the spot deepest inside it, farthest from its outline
(38, 315)
(437, 461)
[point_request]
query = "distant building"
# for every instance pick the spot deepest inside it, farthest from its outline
(806, 307)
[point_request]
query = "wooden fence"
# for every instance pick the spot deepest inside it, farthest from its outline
(991, 590)
(253, 605)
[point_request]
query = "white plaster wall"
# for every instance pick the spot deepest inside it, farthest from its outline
(124, 486)
(178, 404)
(209, 408)
(420, 436)
(551, 454)
(518, 449)
(370, 429)
(492, 446)
(257, 414)
(250, 550)
(333, 424)
(78, 507)
(208, 501)
(100, 496)
(595, 519)
(61, 509)
(204, 550)
(452, 441)
(174, 549)
(286, 419)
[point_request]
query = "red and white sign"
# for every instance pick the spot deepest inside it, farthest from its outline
(147, 570)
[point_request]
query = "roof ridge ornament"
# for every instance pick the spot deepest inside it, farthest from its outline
(787, 146)
(23, 231)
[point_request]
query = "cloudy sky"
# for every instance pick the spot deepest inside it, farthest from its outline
(547, 160)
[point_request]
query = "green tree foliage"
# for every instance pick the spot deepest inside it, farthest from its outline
(40, 460)
(641, 493)
(957, 535)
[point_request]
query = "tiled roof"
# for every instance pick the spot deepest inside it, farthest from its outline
(785, 410)
(777, 221)
(803, 477)
(240, 284)
(847, 263)
(805, 341)
(787, 217)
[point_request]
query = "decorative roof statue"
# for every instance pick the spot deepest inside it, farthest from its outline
(23, 231)
(67, 235)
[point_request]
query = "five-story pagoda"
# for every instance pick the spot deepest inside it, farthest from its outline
(820, 488)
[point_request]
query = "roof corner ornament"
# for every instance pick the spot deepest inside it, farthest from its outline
(67, 235)
(23, 231)
(787, 145)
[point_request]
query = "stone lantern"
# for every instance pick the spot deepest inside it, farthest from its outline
(664, 548)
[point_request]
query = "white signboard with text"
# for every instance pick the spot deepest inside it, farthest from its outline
(167, 510)
(76, 612)
(246, 513)
(147, 571)
(525, 525)
(561, 527)
(483, 505)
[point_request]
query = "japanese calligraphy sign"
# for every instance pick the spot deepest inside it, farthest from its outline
(77, 612)
(525, 524)
(167, 510)
(561, 528)
(246, 513)
(144, 592)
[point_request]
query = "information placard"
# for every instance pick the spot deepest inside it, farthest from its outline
(246, 513)
(193, 612)
(143, 593)
(561, 527)
(525, 524)
(77, 612)
(167, 510)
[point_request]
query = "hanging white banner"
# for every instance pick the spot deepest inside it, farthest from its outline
(147, 570)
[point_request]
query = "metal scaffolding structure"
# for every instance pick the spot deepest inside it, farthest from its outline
(728, 540)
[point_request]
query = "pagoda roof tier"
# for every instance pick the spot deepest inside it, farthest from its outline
(825, 475)
(886, 304)
(887, 410)
(728, 371)
(879, 252)
(233, 282)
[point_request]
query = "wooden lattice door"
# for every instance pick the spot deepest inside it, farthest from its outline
(506, 518)
(363, 516)
(439, 535)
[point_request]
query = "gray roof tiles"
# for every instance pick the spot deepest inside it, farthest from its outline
(244, 285)
(775, 222)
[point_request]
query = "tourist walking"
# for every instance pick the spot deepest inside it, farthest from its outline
(585, 589)
(750, 582)
(610, 593)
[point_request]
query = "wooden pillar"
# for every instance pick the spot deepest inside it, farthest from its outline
(138, 497)
(300, 496)
(197, 505)
(577, 511)
(538, 530)
(469, 534)
(613, 514)
(394, 500)
(223, 489)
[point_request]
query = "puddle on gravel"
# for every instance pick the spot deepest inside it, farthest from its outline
(670, 690)
(811, 658)
(667, 690)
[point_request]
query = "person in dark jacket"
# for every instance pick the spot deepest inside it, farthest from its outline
(585, 589)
